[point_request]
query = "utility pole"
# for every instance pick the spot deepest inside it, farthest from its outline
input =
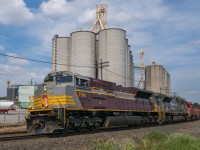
(174, 94)
(102, 65)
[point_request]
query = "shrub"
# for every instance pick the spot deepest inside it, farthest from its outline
(160, 141)
(153, 141)
(181, 142)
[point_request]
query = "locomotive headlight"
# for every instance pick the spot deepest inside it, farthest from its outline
(44, 88)
(45, 99)
(29, 107)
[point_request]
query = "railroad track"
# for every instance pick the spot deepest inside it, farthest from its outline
(10, 133)
(20, 137)
(23, 135)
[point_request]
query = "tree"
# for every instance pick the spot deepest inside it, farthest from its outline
(196, 105)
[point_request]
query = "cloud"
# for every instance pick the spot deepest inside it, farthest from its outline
(37, 75)
(87, 17)
(193, 92)
(16, 61)
(20, 75)
(9, 69)
(56, 8)
(14, 12)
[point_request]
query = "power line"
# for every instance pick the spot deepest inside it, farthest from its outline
(119, 74)
(41, 61)
(46, 62)
(130, 78)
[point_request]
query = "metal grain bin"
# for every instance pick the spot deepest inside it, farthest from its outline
(112, 49)
(154, 79)
(60, 53)
(83, 53)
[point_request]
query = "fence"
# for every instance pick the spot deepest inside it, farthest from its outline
(16, 117)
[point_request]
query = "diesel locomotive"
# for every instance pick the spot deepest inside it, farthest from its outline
(68, 101)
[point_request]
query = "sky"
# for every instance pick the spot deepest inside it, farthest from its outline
(167, 30)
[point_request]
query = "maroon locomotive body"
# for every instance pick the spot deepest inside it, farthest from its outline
(68, 101)
(107, 95)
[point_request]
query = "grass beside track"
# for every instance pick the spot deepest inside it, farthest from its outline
(152, 141)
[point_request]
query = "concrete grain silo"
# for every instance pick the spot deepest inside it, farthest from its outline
(96, 55)
(83, 53)
(154, 78)
(131, 70)
(168, 84)
(60, 53)
(128, 80)
(53, 68)
(112, 49)
(165, 82)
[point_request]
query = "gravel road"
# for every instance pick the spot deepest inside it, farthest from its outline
(86, 141)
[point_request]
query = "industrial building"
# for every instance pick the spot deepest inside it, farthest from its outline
(12, 93)
(25, 92)
(20, 94)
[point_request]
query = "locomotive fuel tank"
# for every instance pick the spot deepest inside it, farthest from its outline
(123, 120)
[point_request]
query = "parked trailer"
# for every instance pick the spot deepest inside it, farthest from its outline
(5, 106)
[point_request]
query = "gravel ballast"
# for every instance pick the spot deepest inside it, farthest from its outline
(85, 141)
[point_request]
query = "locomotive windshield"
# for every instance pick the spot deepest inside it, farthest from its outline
(63, 79)
(48, 79)
(59, 77)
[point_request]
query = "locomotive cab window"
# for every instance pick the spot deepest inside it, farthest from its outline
(49, 79)
(82, 82)
(67, 79)
(58, 79)
(63, 79)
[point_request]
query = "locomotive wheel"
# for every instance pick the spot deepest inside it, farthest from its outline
(93, 128)
(142, 124)
(79, 129)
